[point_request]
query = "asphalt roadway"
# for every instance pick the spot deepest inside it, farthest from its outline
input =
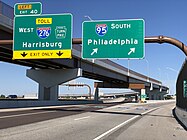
(131, 121)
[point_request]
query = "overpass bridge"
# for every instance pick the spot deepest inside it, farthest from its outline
(50, 73)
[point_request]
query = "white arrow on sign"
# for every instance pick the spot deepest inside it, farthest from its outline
(94, 51)
(132, 50)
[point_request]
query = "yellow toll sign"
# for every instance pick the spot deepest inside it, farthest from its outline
(42, 54)
(24, 7)
(43, 20)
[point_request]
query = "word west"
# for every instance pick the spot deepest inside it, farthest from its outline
(26, 30)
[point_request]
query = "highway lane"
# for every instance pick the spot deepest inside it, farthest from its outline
(17, 117)
(92, 125)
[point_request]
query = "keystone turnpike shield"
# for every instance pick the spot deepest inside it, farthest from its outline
(43, 37)
(113, 39)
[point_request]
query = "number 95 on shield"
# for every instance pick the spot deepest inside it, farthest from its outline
(101, 29)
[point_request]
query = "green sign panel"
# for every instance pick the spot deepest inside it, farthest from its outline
(144, 96)
(33, 8)
(44, 36)
(113, 39)
(185, 88)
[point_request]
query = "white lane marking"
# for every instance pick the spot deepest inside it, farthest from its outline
(27, 114)
(82, 118)
(31, 108)
(149, 111)
(116, 127)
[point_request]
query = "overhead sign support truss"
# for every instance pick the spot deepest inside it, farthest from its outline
(152, 39)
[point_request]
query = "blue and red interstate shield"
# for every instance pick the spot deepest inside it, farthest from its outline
(101, 29)
(43, 32)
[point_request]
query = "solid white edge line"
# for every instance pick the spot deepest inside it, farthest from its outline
(36, 108)
(120, 125)
(116, 127)
(149, 111)
(26, 114)
(82, 118)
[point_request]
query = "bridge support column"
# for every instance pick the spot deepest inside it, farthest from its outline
(49, 79)
(140, 88)
(156, 94)
(106, 84)
(48, 93)
(137, 98)
(96, 92)
(141, 94)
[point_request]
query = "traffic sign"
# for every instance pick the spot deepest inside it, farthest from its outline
(184, 88)
(31, 8)
(113, 39)
(44, 36)
(143, 95)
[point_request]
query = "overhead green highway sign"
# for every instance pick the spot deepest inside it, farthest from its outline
(184, 88)
(44, 36)
(113, 39)
(31, 8)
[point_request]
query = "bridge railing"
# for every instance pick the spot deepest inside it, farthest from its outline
(6, 10)
(6, 21)
(6, 15)
(113, 66)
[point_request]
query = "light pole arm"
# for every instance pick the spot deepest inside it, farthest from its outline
(152, 39)
(164, 39)
(89, 90)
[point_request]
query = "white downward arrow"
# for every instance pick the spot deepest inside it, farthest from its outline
(132, 50)
(94, 51)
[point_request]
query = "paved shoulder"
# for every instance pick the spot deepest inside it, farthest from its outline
(159, 124)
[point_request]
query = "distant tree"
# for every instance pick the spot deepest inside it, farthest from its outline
(2, 96)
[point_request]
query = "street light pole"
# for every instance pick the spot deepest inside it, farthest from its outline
(88, 17)
(128, 73)
(148, 74)
(168, 79)
(172, 69)
(159, 73)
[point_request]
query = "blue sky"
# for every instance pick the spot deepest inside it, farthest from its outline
(162, 17)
